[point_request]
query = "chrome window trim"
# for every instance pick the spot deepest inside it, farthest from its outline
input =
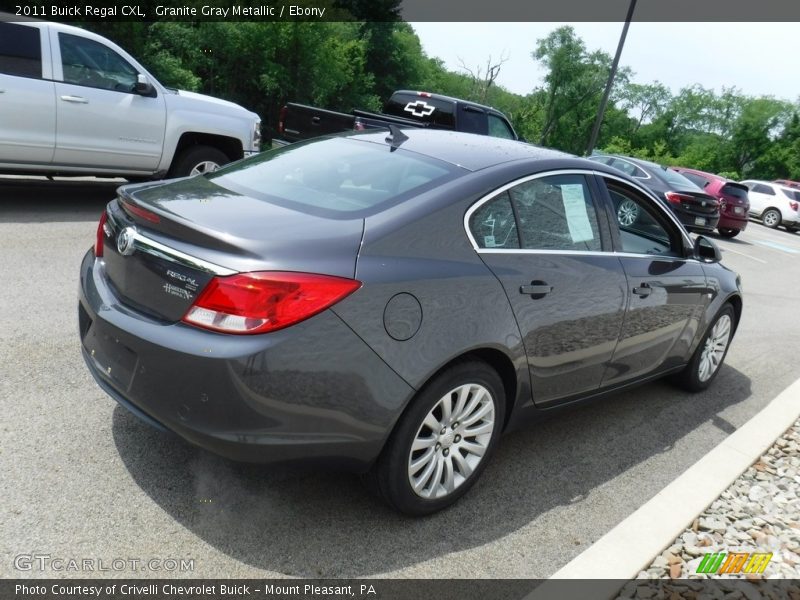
(585, 253)
(491, 195)
(150, 246)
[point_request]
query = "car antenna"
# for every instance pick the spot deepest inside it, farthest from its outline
(395, 137)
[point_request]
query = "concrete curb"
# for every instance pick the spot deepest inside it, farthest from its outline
(628, 548)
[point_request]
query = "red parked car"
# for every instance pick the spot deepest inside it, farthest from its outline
(788, 183)
(734, 202)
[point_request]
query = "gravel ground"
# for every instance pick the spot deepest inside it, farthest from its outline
(759, 512)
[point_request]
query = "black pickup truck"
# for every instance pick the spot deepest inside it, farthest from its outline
(405, 109)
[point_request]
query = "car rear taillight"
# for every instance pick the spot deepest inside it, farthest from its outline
(281, 119)
(676, 198)
(265, 301)
(134, 210)
(100, 235)
(794, 205)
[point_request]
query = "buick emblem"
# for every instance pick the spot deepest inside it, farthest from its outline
(125, 241)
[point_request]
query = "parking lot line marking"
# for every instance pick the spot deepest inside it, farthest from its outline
(726, 249)
(778, 246)
(630, 546)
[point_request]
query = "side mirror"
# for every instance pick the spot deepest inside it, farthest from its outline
(143, 86)
(706, 250)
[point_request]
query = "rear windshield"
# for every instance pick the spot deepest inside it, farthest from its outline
(678, 181)
(734, 190)
(438, 112)
(335, 177)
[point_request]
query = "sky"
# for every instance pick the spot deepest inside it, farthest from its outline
(758, 58)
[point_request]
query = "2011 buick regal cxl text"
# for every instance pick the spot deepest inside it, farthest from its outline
(391, 303)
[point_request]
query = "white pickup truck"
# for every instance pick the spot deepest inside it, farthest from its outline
(72, 103)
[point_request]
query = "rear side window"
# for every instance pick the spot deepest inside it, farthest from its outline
(20, 50)
(698, 180)
(335, 177)
(493, 224)
(760, 188)
(472, 120)
(556, 213)
(792, 194)
(421, 108)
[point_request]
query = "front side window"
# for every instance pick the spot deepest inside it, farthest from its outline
(556, 213)
(20, 50)
(91, 64)
(642, 230)
(499, 128)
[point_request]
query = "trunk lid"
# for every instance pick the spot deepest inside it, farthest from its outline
(187, 231)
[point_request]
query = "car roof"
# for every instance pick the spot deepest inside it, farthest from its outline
(703, 173)
(467, 150)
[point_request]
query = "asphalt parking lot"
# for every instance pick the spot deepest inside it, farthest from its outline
(84, 479)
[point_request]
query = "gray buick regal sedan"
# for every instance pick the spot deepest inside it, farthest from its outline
(390, 302)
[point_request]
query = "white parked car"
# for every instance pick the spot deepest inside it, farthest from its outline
(72, 102)
(774, 204)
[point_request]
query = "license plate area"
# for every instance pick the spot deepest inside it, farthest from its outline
(699, 221)
(738, 210)
(111, 357)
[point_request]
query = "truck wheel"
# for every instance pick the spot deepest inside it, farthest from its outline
(196, 160)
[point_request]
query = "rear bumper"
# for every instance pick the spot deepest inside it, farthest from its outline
(727, 221)
(312, 393)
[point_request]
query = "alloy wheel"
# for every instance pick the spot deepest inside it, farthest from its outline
(207, 166)
(714, 349)
(451, 441)
(627, 213)
(771, 218)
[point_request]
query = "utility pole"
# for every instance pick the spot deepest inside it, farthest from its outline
(610, 83)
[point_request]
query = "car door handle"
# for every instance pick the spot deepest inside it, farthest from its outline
(643, 291)
(315, 120)
(75, 99)
(537, 289)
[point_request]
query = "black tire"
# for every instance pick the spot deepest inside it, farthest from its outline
(689, 379)
(192, 157)
(728, 233)
(390, 476)
(771, 218)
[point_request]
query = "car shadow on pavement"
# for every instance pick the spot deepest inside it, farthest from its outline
(41, 201)
(323, 524)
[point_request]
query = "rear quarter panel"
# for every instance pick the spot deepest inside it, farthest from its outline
(420, 248)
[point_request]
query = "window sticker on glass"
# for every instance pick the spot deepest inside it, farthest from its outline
(575, 209)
